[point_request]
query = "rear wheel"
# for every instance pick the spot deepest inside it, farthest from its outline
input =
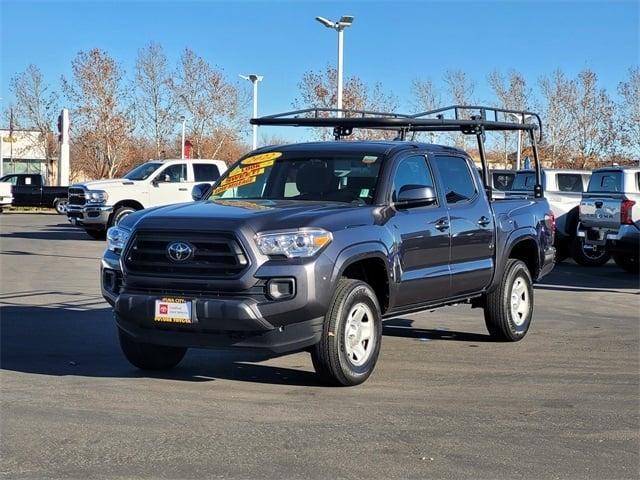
(147, 356)
(588, 255)
(61, 206)
(96, 234)
(628, 262)
(509, 308)
(348, 350)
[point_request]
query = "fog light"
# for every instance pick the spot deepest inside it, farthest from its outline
(281, 288)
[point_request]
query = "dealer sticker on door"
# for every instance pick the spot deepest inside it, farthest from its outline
(173, 310)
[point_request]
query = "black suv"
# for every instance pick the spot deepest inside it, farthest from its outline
(310, 246)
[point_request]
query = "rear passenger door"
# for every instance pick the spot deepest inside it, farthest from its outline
(205, 172)
(471, 223)
(422, 238)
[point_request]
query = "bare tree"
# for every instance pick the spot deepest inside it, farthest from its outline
(461, 92)
(512, 94)
(593, 120)
(629, 111)
(318, 89)
(155, 103)
(37, 107)
(425, 97)
(558, 94)
(212, 103)
(102, 113)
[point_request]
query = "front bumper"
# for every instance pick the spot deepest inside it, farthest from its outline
(89, 216)
(235, 314)
(6, 201)
(625, 239)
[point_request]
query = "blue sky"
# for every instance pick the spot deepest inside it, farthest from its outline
(391, 42)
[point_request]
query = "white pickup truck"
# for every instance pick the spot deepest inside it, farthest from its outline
(563, 190)
(100, 204)
(610, 215)
(6, 196)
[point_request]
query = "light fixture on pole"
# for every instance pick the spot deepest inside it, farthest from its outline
(339, 26)
(520, 119)
(254, 79)
(184, 121)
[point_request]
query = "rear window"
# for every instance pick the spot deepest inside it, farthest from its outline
(524, 181)
(570, 182)
(503, 181)
(608, 181)
(205, 172)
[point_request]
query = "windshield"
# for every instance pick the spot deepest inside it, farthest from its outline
(609, 182)
(524, 181)
(302, 176)
(142, 172)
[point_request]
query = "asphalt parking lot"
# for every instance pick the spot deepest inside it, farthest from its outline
(444, 401)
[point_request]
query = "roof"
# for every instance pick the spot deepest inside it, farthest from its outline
(617, 168)
(379, 147)
(556, 170)
(166, 160)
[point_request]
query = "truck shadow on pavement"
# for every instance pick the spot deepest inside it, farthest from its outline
(51, 232)
(568, 276)
(67, 341)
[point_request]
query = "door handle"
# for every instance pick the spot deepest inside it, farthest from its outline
(442, 225)
(484, 221)
(183, 189)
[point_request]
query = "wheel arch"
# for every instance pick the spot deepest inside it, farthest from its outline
(370, 263)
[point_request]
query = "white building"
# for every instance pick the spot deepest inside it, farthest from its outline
(22, 152)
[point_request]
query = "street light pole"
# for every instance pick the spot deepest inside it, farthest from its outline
(184, 121)
(344, 22)
(254, 79)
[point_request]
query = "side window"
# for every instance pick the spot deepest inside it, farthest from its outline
(412, 172)
(570, 182)
(175, 173)
(456, 178)
(13, 179)
(205, 172)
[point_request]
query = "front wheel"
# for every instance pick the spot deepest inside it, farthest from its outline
(628, 262)
(61, 206)
(147, 356)
(588, 255)
(119, 214)
(348, 350)
(509, 308)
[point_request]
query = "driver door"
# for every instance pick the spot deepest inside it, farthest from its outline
(170, 185)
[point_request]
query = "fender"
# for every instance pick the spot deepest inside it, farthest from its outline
(502, 254)
(361, 251)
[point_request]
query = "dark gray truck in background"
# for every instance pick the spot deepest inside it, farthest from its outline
(310, 246)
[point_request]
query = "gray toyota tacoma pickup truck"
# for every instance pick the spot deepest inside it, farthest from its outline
(311, 246)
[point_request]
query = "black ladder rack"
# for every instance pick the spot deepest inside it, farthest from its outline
(468, 119)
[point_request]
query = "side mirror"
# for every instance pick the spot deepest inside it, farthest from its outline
(199, 191)
(415, 195)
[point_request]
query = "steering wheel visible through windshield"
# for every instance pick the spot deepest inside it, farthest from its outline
(144, 171)
(299, 176)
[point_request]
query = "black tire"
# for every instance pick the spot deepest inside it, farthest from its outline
(96, 234)
(147, 356)
(628, 262)
(119, 214)
(60, 205)
(586, 257)
(499, 316)
(331, 358)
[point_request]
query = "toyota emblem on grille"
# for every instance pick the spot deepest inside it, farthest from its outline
(180, 251)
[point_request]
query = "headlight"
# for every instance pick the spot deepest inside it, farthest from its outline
(297, 243)
(96, 196)
(117, 238)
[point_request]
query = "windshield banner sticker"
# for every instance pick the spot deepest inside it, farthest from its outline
(261, 157)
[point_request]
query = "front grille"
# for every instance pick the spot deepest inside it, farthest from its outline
(216, 255)
(76, 196)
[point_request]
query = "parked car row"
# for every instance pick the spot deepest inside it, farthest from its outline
(597, 213)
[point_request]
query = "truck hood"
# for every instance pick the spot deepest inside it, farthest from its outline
(256, 215)
(106, 184)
